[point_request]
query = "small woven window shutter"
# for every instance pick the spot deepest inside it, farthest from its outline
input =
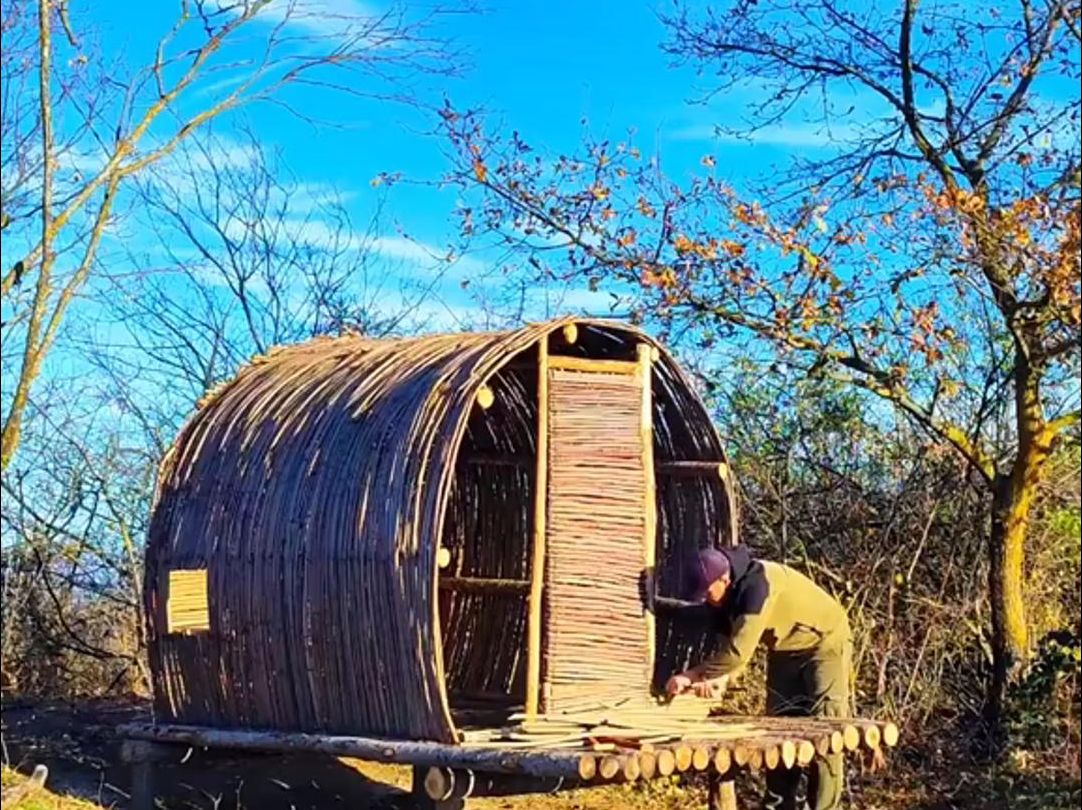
(187, 608)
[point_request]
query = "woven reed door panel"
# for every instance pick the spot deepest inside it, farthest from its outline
(596, 636)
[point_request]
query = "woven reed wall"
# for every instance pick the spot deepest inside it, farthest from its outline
(595, 628)
(316, 488)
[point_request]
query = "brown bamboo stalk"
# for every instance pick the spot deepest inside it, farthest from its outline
(537, 557)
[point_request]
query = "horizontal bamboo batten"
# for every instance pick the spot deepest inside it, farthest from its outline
(365, 511)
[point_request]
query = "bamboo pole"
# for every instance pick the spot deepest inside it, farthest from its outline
(646, 435)
(537, 557)
(484, 585)
(567, 363)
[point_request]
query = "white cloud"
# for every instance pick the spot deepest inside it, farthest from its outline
(815, 136)
(320, 17)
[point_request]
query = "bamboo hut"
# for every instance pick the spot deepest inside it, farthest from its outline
(375, 537)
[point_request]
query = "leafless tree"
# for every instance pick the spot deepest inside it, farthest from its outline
(77, 131)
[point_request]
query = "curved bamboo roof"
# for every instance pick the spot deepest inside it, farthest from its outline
(313, 488)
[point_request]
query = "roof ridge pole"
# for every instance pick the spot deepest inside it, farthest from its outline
(537, 556)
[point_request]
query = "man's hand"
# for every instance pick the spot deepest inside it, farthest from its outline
(713, 688)
(678, 684)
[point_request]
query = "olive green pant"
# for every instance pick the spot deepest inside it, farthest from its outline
(803, 684)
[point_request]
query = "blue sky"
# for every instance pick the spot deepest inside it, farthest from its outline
(548, 70)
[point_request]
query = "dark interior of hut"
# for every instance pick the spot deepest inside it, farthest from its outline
(486, 543)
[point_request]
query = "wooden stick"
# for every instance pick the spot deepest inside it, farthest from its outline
(537, 557)
(484, 585)
(498, 460)
(705, 468)
(646, 435)
(565, 363)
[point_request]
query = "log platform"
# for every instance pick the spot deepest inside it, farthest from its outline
(537, 759)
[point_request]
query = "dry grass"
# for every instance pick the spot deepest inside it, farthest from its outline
(39, 799)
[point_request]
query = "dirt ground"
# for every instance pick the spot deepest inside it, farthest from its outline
(78, 744)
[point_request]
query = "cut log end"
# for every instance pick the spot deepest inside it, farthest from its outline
(610, 766)
(587, 767)
(683, 754)
(788, 750)
(890, 735)
(851, 738)
(666, 762)
(443, 557)
(648, 763)
(772, 757)
(805, 752)
(439, 783)
(485, 397)
(723, 760)
(700, 758)
(570, 333)
(872, 736)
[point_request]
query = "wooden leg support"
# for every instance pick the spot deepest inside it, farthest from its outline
(721, 792)
(424, 801)
(143, 757)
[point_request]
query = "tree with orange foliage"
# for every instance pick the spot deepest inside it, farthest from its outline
(931, 260)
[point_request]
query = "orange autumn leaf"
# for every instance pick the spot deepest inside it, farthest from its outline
(479, 170)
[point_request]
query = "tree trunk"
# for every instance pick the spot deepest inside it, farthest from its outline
(1012, 501)
(1009, 631)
